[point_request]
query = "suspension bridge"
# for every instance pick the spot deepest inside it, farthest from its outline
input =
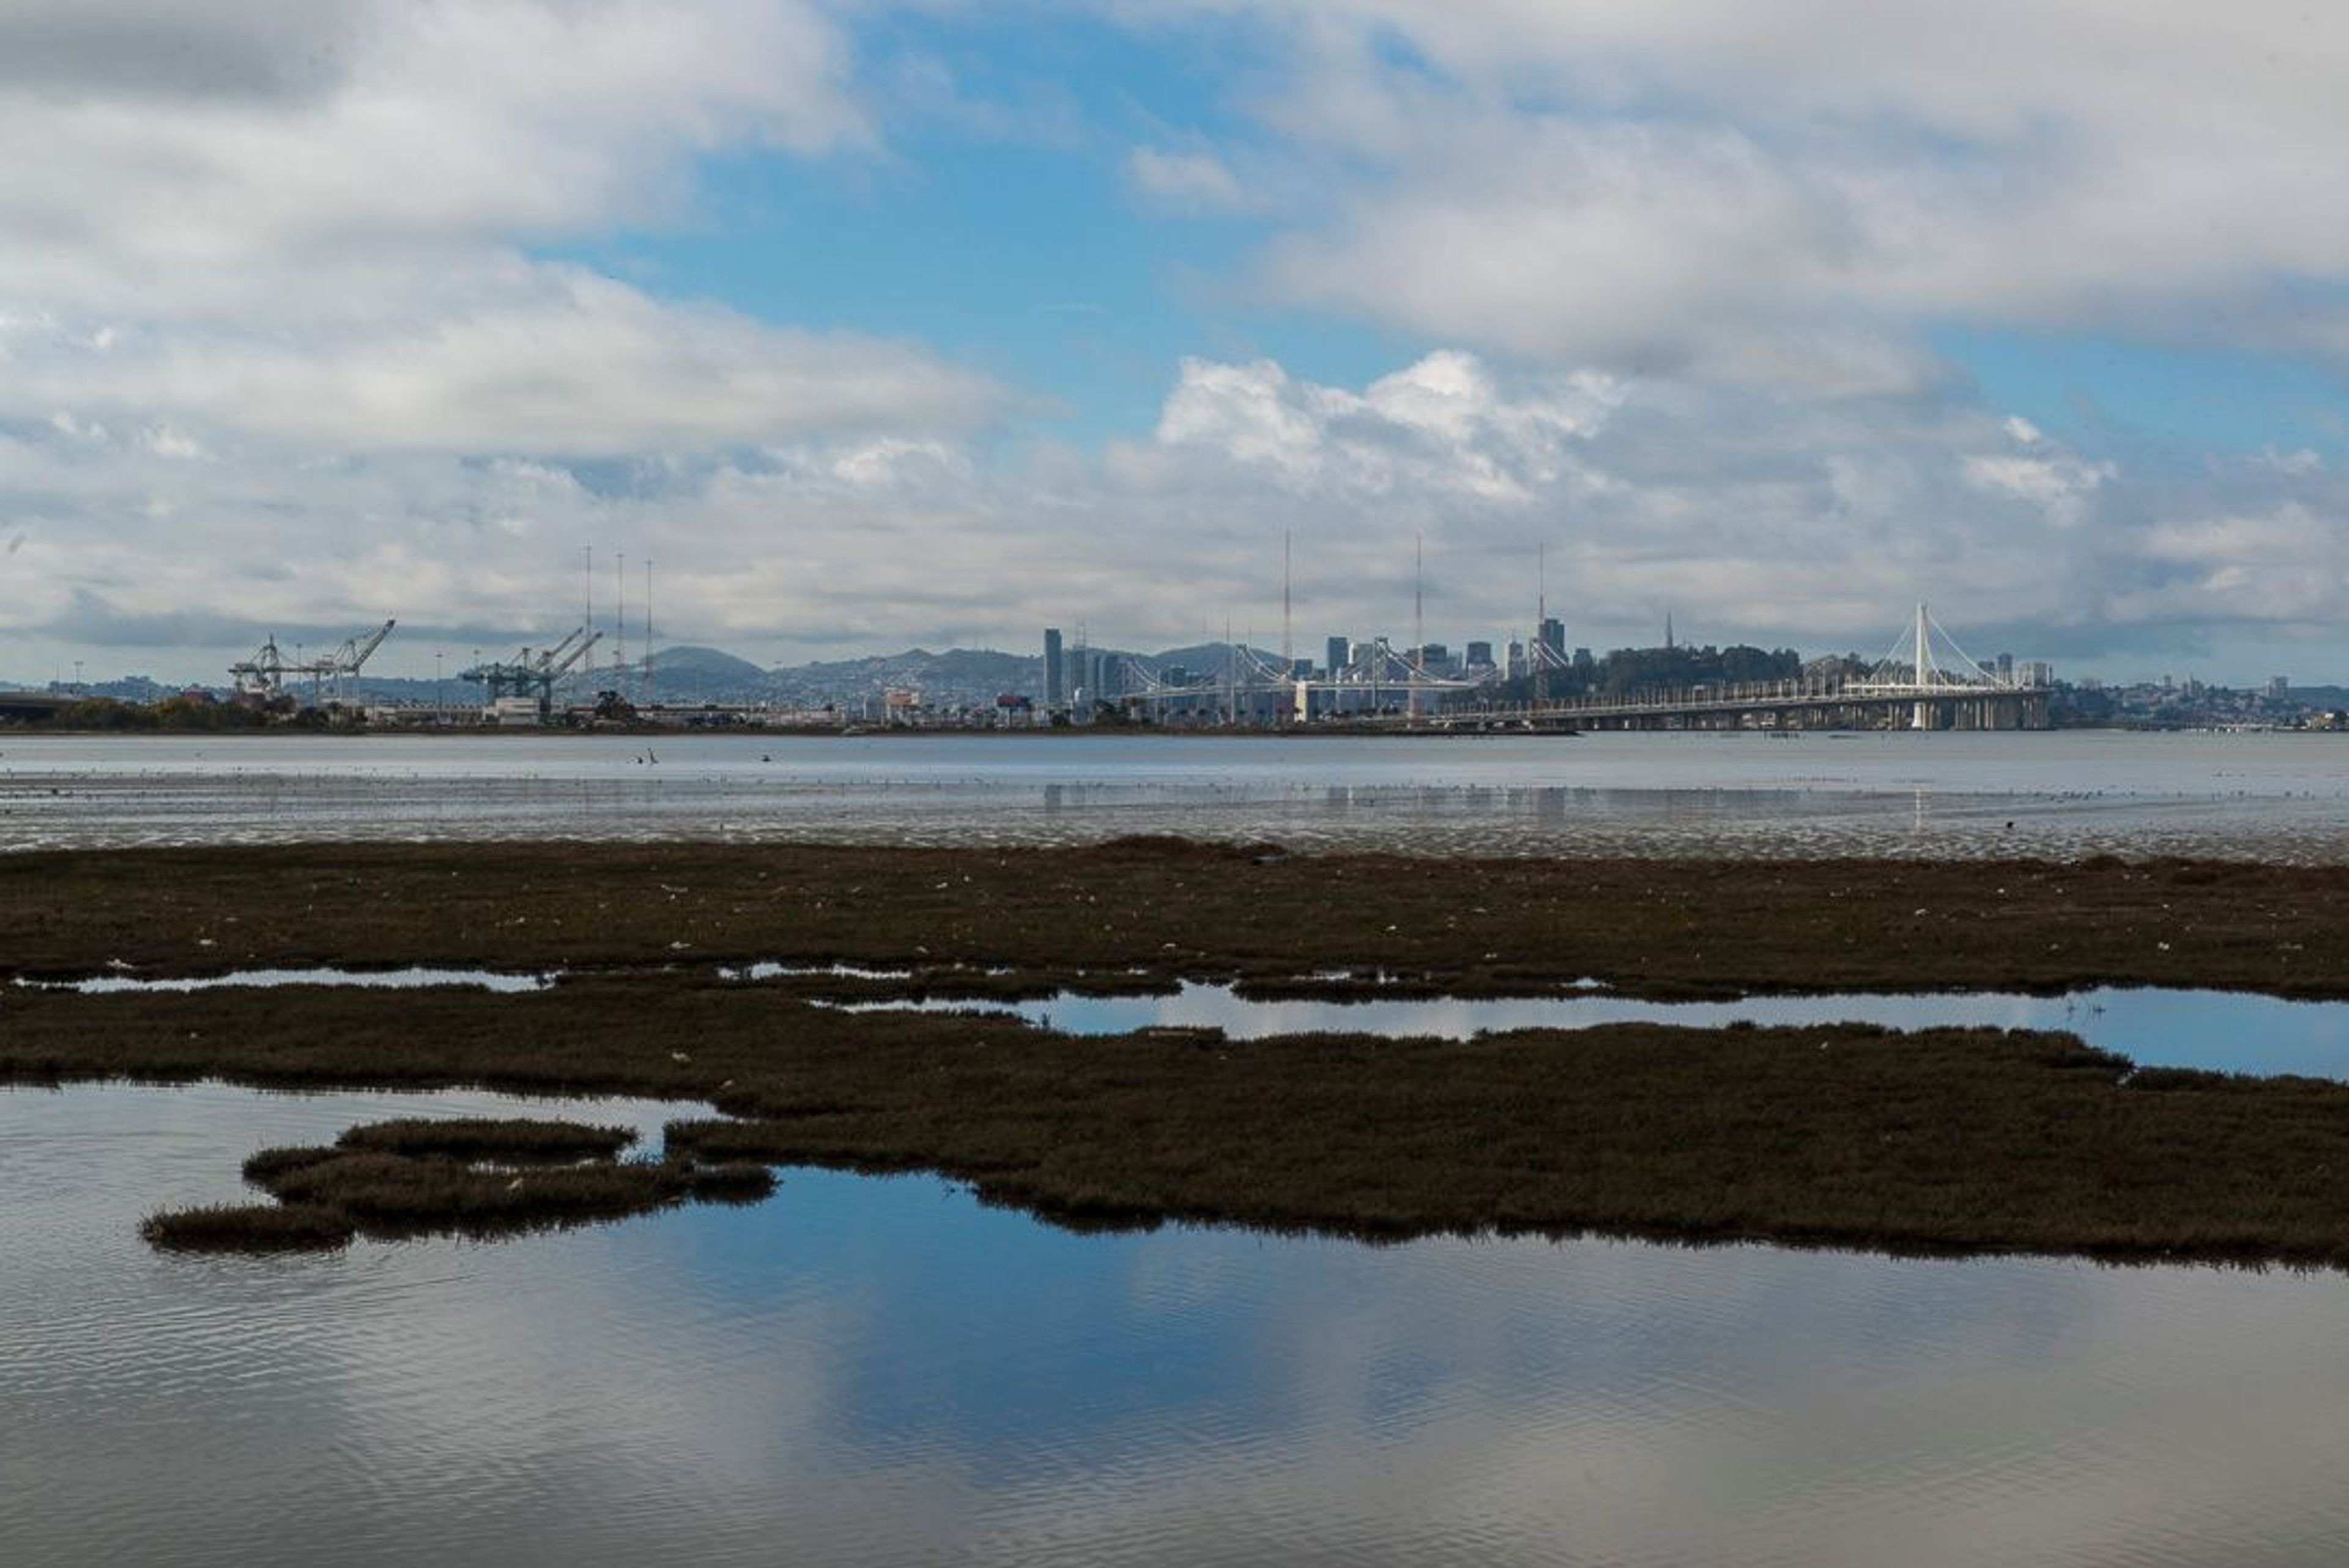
(1924, 681)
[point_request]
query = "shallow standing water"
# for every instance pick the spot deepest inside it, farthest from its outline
(2216, 1031)
(868, 1371)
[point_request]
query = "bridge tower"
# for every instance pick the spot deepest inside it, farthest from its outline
(1921, 717)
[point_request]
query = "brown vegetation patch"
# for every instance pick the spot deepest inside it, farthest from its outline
(413, 1178)
(1944, 1139)
(1941, 1139)
(249, 1228)
(1173, 909)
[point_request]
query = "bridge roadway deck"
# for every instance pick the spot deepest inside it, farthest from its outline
(1772, 707)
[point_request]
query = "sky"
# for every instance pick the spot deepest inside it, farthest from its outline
(870, 325)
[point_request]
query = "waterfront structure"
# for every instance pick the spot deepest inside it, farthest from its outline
(1553, 640)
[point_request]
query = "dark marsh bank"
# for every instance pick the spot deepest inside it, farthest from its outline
(1948, 1140)
(1170, 908)
(469, 1177)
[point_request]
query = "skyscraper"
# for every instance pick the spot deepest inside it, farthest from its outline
(1055, 691)
(1337, 655)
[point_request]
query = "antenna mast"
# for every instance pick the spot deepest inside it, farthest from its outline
(1536, 653)
(1231, 676)
(1288, 655)
(649, 631)
(1418, 620)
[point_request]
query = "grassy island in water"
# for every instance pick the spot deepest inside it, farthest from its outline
(1934, 1140)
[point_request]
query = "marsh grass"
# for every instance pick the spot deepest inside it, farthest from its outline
(513, 1141)
(1172, 909)
(249, 1228)
(414, 1178)
(1944, 1139)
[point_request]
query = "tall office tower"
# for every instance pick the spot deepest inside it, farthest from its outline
(1553, 638)
(1517, 667)
(1480, 655)
(1339, 654)
(1055, 676)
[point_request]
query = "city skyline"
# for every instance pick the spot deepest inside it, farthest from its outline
(884, 325)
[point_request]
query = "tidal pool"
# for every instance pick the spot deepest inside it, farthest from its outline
(866, 1371)
(2220, 1031)
(378, 979)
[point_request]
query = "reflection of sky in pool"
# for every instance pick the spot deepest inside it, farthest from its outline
(864, 1371)
(2224, 1031)
(366, 979)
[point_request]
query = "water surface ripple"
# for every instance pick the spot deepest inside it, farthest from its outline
(2065, 793)
(868, 1371)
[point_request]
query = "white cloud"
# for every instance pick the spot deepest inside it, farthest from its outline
(1444, 423)
(283, 345)
(1708, 186)
(550, 360)
(1748, 516)
(2298, 463)
(2059, 487)
(1191, 181)
(243, 229)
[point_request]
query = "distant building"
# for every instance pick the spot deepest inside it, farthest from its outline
(1338, 653)
(1553, 639)
(2278, 687)
(1480, 655)
(1517, 666)
(1055, 674)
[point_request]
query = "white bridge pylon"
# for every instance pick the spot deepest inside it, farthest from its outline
(1925, 662)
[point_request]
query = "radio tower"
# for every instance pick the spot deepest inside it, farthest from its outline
(1288, 657)
(1534, 659)
(1418, 621)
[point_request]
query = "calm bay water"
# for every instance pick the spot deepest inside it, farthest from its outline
(2265, 796)
(881, 1371)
